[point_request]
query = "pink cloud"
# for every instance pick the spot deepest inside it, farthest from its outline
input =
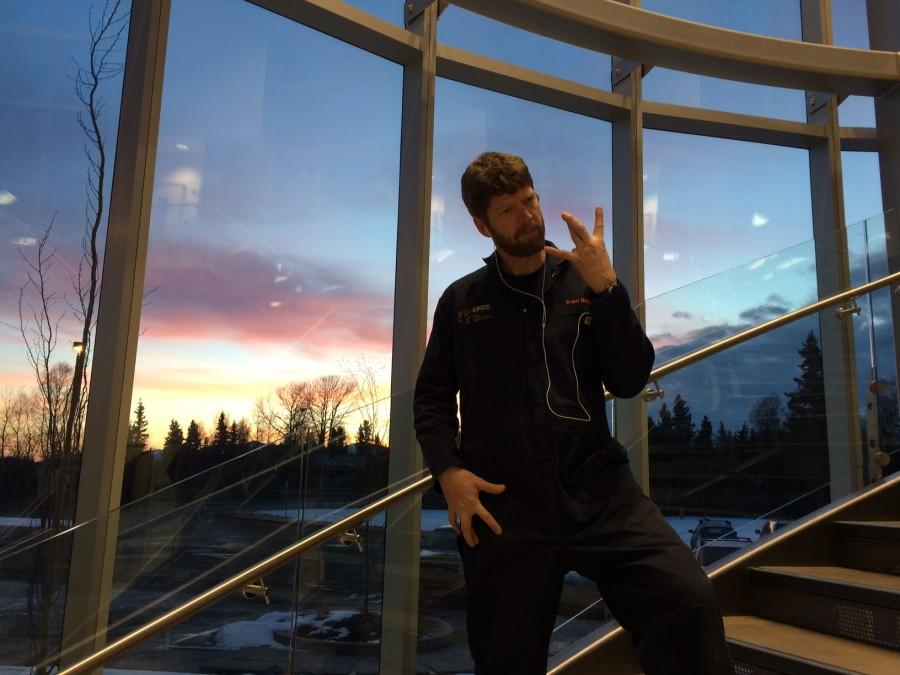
(209, 293)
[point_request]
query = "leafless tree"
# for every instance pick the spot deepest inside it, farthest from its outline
(370, 396)
(331, 396)
(286, 414)
(63, 387)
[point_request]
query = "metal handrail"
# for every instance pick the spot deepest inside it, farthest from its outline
(284, 556)
(750, 333)
(239, 580)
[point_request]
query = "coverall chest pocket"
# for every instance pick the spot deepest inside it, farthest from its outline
(490, 340)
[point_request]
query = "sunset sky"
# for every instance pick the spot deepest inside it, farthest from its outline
(273, 229)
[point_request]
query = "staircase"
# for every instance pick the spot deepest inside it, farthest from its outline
(814, 619)
(821, 596)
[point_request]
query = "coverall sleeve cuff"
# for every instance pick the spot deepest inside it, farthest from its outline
(615, 298)
(440, 460)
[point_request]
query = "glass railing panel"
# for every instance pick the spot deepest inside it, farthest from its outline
(324, 614)
(443, 599)
(710, 309)
(873, 338)
(176, 543)
(739, 445)
(234, 635)
(166, 547)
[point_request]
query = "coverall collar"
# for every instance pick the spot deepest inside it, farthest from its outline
(551, 261)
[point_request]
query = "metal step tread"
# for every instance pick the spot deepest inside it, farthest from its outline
(847, 582)
(810, 646)
(889, 529)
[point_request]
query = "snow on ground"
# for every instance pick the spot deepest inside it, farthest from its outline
(435, 518)
(259, 632)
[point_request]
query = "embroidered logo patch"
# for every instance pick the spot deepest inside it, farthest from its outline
(474, 314)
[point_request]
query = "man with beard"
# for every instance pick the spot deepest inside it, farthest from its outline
(535, 484)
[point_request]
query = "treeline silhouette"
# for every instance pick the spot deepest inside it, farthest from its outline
(777, 462)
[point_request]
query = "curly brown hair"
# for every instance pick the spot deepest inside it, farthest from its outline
(492, 174)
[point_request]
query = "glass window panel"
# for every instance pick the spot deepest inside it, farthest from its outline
(475, 33)
(849, 23)
(53, 176)
(773, 18)
(850, 29)
(273, 229)
(389, 10)
(724, 445)
(857, 111)
(711, 204)
(862, 186)
(569, 157)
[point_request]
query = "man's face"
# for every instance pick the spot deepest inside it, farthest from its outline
(515, 223)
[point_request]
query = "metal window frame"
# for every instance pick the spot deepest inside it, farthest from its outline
(882, 15)
(400, 595)
(93, 555)
(621, 28)
(843, 432)
(630, 416)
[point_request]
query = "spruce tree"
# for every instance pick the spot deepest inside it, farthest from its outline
(221, 437)
(138, 431)
(175, 437)
(705, 434)
(233, 433)
(806, 404)
(682, 421)
(723, 437)
(192, 440)
(364, 435)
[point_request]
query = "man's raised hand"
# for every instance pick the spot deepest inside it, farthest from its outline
(589, 256)
(462, 489)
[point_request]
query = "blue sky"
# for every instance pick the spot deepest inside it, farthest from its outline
(274, 213)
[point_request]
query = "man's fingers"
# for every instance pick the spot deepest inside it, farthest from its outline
(489, 520)
(493, 488)
(454, 522)
(468, 532)
(576, 228)
(598, 222)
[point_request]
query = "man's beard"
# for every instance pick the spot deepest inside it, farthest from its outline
(522, 244)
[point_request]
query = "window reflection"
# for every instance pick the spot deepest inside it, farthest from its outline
(55, 182)
(772, 18)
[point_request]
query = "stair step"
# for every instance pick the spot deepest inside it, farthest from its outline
(848, 603)
(760, 646)
(869, 545)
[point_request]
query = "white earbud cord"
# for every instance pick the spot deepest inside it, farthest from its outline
(587, 417)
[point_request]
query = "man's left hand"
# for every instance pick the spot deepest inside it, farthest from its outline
(589, 256)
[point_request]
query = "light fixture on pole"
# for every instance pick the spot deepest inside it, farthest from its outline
(78, 348)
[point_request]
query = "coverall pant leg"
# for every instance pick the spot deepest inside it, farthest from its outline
(647, 575)
(652, 585)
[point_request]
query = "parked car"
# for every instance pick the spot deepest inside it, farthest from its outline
(709, 529)
(714, 539)
(440, 542)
